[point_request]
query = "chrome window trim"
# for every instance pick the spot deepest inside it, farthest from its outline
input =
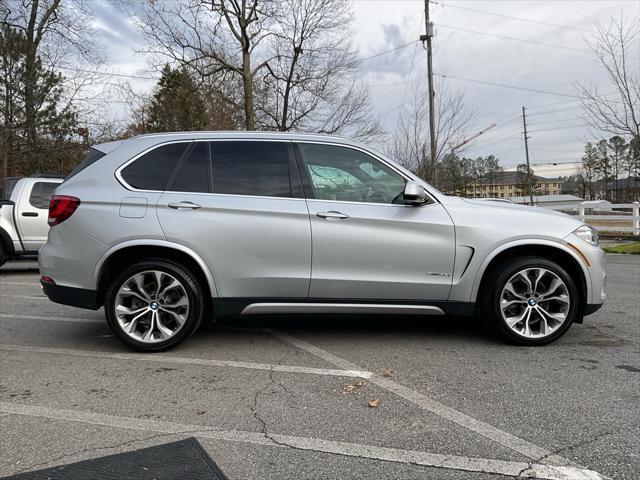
(122, 181)
(118, 172)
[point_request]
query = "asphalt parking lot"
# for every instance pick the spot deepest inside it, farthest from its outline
(289, 398)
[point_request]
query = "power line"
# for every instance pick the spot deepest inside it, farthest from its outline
(447, 5)
(551, 122)
(544, 105)
(142, 77)
(504, 85)
(552, 45)
(108, 74)
(556, 110)
(359, 61)
(561, 128)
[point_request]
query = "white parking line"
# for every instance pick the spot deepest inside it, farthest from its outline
(19, 283)
(37, 297)
(489, 431)
(51, 319)
(189, 361)
(453, 462)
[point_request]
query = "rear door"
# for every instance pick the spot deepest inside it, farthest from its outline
(239, 204)
(32, 212)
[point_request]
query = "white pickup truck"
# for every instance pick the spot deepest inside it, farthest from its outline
(24, 210)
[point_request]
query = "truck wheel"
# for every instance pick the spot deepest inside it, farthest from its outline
(154, 305)
(3, 256)
(531, 301)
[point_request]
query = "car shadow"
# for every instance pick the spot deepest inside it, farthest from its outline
(19, 267)
(444, 328)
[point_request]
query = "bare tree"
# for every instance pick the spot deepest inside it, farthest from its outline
(310, 85)
(291, 59)
(615, 48)
(218, 39)
(409, 143)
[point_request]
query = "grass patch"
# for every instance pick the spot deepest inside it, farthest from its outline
(630, 248)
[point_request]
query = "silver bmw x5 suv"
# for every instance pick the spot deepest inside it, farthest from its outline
(168, 230)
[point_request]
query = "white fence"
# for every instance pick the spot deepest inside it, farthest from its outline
(609, 217)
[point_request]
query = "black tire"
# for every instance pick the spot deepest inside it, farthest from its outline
(195, 292)
(3, 257)
(490, 301)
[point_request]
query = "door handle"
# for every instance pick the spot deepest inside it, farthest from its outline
(29, 214)
(184, 205)
(332, 214)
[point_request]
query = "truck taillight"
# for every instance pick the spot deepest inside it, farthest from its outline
(61, 207)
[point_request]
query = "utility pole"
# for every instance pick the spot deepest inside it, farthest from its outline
(526, 150)
(432, 119)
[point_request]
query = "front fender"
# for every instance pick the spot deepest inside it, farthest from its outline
(557, 244)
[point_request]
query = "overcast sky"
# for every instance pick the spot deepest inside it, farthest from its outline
(557, 131)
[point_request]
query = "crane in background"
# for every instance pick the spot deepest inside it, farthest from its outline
(471, 138)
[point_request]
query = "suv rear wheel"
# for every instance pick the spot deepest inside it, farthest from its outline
(154, 305)
(531, 301)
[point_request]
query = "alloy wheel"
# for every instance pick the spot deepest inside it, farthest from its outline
(151, 306)
(535, 302)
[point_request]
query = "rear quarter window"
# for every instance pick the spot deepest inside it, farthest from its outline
(153, 170)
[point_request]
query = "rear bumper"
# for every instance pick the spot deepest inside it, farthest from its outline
(76, 297)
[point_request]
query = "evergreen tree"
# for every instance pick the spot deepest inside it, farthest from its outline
(35, 123)
(618, 149)
(603, 166)
(589, 169)
(177, 104)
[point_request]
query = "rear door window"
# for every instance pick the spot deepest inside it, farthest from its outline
(153, 170)
(41, 194)
(194, 172)
(251, 168)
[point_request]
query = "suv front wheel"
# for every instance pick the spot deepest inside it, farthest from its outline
(154, 305)
(531, 300)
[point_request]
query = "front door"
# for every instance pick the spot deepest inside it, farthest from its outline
(366, 243)
(236, 204)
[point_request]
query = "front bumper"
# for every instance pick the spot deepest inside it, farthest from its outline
(76, 297)
(595, 272)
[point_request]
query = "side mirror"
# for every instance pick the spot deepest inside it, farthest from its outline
(414, 194)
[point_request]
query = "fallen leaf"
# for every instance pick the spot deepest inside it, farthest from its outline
(373, 402)
(354, 386)
(387, 372)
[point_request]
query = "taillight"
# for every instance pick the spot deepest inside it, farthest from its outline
(61, 207)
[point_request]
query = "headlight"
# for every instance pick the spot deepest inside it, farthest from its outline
(588, 234)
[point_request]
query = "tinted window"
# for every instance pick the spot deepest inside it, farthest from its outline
(251, 168)
(92, 156)
(345, 174)
(194, 175)
(41, 194)
(153, 170)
